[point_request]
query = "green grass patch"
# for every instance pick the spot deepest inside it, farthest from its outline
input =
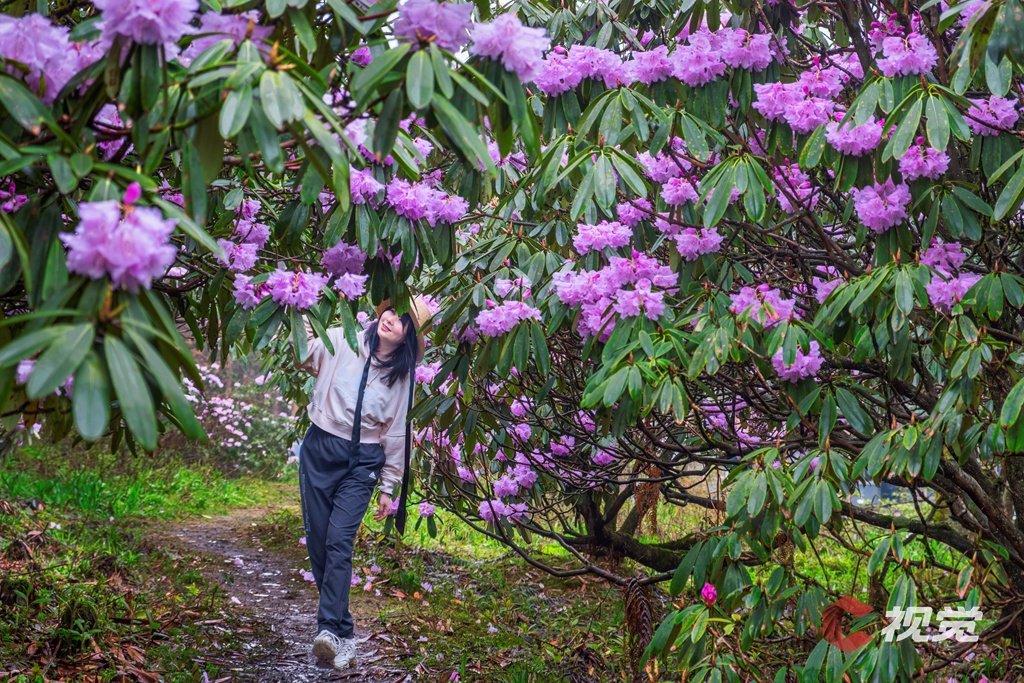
(81, 599)
(99, 484)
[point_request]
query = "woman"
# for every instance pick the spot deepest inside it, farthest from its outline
(359, 438)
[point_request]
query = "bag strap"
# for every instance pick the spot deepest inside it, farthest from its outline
(403, 493)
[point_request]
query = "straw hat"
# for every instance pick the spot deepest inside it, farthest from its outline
(420, 315)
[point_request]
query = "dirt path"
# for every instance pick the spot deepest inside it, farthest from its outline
(274, 607)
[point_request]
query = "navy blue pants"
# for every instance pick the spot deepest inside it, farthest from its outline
(336, 482)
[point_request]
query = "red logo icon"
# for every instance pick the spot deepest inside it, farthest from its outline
(832, 623)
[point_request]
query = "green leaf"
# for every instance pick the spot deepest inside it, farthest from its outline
(280, 98)
(904, 292)
(419, 80)
(1010, 198)
(30, 343)
(90, 400)
(852, 411)
(133, 395)
(938, 123)
(441, 74)
(1010, 412)
(812, 150)
(60, 360)
(367, 80)
(23, 106)
(614, 386)
(463, 134)
(6, 245)
(170, 388)
(907, 130)
(720, 196)
(235, 112)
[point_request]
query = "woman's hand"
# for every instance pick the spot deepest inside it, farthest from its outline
(383, 507)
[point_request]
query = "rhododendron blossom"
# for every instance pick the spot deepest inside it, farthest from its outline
(446, 23)
(503, 317)
(855, 140)
(921, 161)
(804, 364)
(882, 205)
(129, 244)
(519, 48)
(907, 56)
(147, 22)
(764, 304)
(603, 235)
(295, 288)
(992, 116)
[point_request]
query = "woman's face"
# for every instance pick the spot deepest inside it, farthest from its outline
(391, 327)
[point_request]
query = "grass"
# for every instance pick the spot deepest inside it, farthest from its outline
(84, 597)
(103, 485)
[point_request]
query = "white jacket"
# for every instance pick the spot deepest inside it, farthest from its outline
(333, 405)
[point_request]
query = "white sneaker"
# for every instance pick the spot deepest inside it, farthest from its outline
(326, 646)
(346, 656)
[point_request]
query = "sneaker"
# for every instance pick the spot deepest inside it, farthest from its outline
(346, 656)
(326, 646)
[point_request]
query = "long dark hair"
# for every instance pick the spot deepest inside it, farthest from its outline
(403, 359)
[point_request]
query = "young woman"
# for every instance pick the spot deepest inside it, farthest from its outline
(359, 439)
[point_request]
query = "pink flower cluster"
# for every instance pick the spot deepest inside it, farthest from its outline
(679, 191)
(992, 116)
(855, 140)
(426, 509)
(249, 237)
(294, 288)
(563, 70)
(519, 48)
(882, 205)
(823, 286)
(600, 236)
(10, 199)
(345, 262)
(947, 288)
(704, 58)
(664, 166)
(632, 212)
(129, 244)
(804, 365)
(496, 510)
(795, 190)
(45, 49)
(764, 305)
(907, 56)
(445, 23)
(625, 286)
(416, 201)
(237, 258)
(691, 243)
(793, 103)
(503, 317)
(364, 187)
(922, 161)
(215, 27)
(297, 289)
(147, 22)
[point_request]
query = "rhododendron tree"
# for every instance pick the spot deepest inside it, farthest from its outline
(741, 257)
